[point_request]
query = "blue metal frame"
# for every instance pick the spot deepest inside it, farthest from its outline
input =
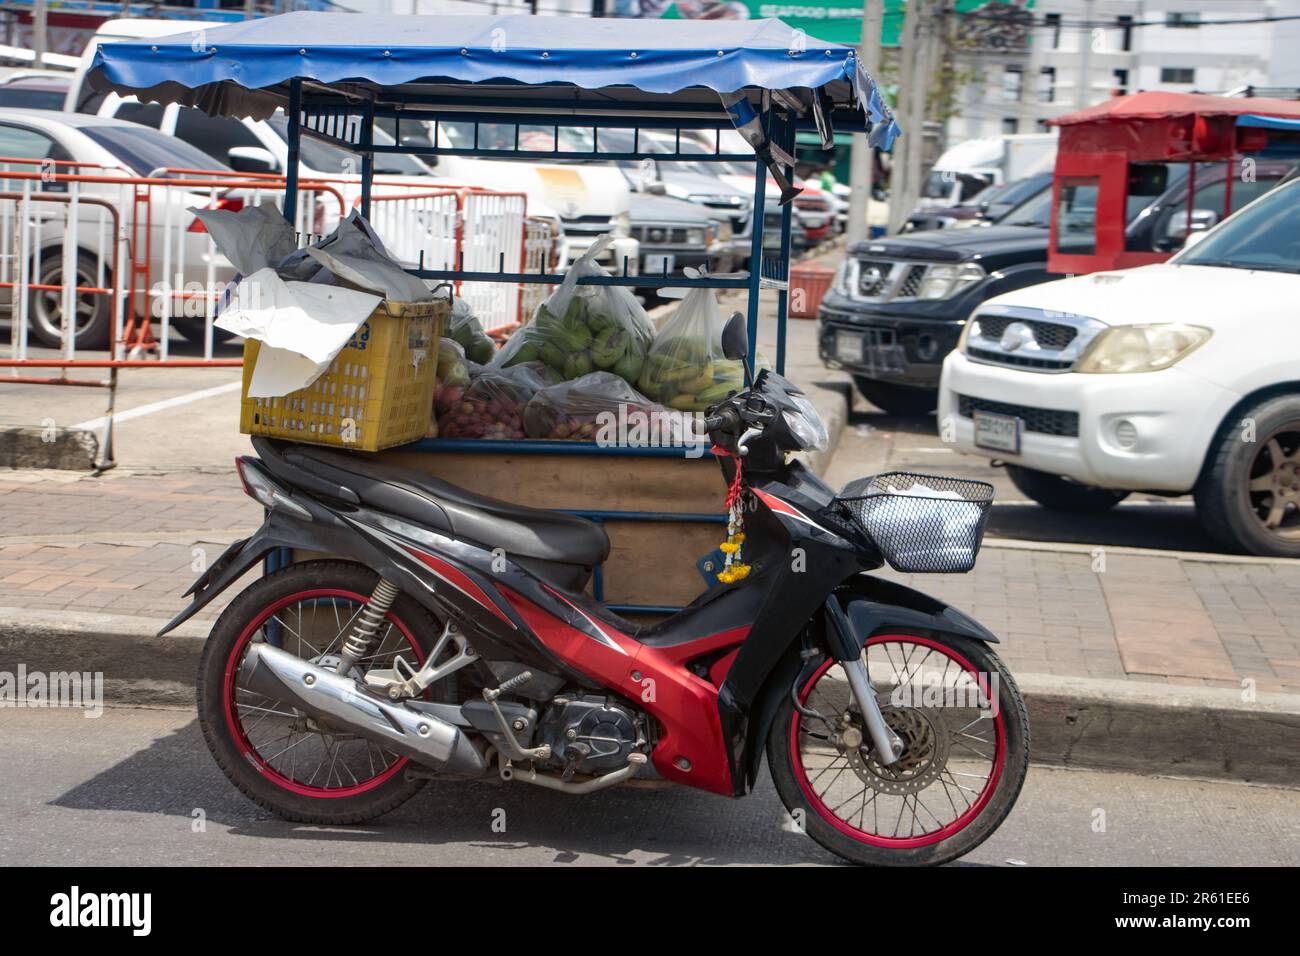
(328, 117)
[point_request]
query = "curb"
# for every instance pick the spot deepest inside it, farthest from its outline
(65, 449)
(1075, 722)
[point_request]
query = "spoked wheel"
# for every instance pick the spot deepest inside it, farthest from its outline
(966, 749)
(280, 757)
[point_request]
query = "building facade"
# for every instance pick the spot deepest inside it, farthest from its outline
(1079, 52)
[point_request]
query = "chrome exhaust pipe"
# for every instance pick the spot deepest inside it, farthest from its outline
(343, 704)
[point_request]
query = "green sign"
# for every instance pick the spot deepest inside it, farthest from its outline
(837, 21)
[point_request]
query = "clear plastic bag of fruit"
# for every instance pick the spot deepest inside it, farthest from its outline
(464, 328)
(493, 404)
(597, 406)
(685, 368)
(452, 377)
(582, 329)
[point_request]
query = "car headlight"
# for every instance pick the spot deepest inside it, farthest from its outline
(697, 237)
(1142, 348)
(846, 278)
(942, 282)
(806, 425)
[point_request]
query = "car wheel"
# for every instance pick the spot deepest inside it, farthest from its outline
(191, 330)
(897, 399)
(94, 312)
(1063, 494)
(1248, 497)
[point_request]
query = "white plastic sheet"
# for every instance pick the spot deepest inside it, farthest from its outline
(302, 326)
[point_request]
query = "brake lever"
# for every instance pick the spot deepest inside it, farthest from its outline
(742, 446)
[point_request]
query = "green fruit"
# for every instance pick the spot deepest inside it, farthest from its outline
(609, 346)
(716, 393)
(527, 352)
(481, 349)
(552, 355)
(685, 403)
(576, 311)
(628, 367)
(571, 336)
(577, 365)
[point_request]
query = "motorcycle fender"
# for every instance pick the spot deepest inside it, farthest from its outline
(237, 559)
(875, 606)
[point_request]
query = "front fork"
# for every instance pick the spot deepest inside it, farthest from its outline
(845, 648)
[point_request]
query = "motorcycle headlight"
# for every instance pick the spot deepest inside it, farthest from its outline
(1142, 348)
(943, 282)
(806, 425)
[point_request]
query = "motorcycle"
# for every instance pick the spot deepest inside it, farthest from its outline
(452, 638)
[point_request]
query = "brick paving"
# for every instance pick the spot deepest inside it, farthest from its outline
(125, 544)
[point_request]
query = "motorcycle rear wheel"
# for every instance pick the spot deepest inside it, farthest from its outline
(956, 781)
(267, 749)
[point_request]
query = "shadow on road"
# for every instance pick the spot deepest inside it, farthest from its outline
(175, 775)
(1170, 527)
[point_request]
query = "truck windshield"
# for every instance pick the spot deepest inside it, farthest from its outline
(1264, 235)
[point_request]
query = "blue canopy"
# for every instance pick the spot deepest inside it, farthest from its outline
(1268, 122)
(244, 68)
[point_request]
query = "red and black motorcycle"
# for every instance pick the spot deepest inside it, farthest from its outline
(453, 639)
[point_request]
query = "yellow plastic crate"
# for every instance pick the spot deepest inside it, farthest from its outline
(378, 391)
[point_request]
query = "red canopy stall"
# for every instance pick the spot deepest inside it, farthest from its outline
(1123, 149)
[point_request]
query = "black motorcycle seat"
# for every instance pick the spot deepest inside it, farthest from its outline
(439, 505)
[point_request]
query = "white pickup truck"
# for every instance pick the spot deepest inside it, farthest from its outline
(1177, 378)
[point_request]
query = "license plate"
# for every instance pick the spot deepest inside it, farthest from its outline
(658, 265)
(848, 346)
(997, 432)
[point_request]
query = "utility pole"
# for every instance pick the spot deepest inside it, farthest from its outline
(862, 159)
(39, 45)
(250, 9)
(911, 103)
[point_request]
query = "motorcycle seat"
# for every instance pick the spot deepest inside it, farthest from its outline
(430, 502)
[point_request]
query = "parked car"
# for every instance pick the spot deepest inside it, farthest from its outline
(1173, 378)
(898, 304)
(989, 205)
(968, 168)
(35, 90)
(126, 150)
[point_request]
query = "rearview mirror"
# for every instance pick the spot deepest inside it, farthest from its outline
(251, 159)
(735, 338)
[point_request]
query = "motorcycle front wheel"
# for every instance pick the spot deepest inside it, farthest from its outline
(966, 750)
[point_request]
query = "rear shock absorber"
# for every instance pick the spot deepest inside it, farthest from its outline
(357, 646)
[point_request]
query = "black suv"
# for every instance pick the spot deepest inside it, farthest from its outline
(898, 304)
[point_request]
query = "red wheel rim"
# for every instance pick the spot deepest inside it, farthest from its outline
(962, 817)
(236, 725)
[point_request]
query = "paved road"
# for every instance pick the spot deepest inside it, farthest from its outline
(123, 789)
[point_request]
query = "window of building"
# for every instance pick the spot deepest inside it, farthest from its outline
(1121, 81)
(1053, 23)
(1125, 25)
(1013, 83)
(1010, 125)
(1182, 21)
(1043, 127)
(1177, 74)
(1047, 84)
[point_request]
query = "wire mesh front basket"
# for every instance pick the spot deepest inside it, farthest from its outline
(921, 523)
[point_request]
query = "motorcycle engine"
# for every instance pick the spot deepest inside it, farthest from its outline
(590, 734)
